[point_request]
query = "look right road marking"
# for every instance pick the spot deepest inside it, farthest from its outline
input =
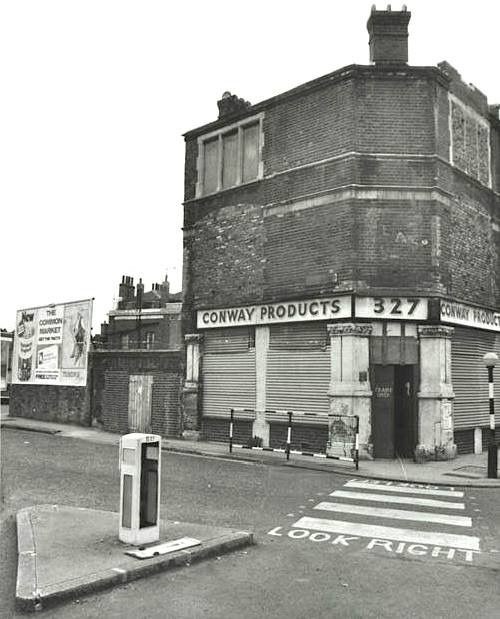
(433, 538)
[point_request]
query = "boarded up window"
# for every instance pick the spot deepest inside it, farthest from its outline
(230, 156)
(230, 159)
(210, 162)
(250, 152)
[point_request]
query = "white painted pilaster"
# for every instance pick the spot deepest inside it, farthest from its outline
(260, 425)
(435, 398)
(350, 392)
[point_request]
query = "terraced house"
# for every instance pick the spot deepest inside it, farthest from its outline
(341, 255)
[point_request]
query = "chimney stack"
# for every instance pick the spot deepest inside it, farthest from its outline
(125, 291)
(140, 293)
(388, 36)
(230, 105)
(164, 290)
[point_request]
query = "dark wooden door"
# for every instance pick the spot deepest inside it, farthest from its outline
(404, 410)
(383, 411)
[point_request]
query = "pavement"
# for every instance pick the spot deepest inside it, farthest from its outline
(51, 537)
(65, 552)
(468, 470)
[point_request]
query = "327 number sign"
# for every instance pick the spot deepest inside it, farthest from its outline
(392, 308)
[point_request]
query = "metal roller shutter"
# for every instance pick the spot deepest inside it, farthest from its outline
(228, 371)
(469, 376)
(298, 368)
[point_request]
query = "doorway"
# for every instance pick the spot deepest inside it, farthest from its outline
(139, 403)
(393, 411)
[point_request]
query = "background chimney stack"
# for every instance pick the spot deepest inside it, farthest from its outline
(388, 36)
(125, 291)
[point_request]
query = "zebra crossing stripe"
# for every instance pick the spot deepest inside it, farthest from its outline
(366, 485)
(432, 538)
(407, 500)
(396, 514)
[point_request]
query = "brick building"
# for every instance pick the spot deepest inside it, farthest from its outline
(136, 363)
(341, 254)
(144, 320)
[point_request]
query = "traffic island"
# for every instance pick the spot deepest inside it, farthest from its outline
(66, 552)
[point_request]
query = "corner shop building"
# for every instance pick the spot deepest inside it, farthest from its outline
(341, 254)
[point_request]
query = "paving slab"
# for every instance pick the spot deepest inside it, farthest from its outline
(65, 552)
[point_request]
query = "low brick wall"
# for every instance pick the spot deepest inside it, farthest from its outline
(51, 403)
(213, 429)
(304, 438)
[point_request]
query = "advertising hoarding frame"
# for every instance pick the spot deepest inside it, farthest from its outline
(51, 344)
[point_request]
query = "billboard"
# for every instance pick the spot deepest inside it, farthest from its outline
(51, 344)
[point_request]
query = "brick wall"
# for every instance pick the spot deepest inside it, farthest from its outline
(114, 415)
(305, 249)
(395, 112)
(227, 255)
(166, 404)
(304, 438)
(51, 403)
(393, 245)
(310, 128)
(218, 430)
(369, 244)
(470, 238)
(112, 371)
(470, 254)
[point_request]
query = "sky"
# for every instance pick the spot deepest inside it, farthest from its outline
(96, 95)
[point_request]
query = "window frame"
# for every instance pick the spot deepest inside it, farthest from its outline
(219, 134)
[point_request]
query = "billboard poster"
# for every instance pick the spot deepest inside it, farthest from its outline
(51, 344)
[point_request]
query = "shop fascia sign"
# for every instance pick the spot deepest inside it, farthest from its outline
(330, 308)
(270, 313)
(469, 316)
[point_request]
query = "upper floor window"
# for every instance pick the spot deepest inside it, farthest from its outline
(124, 340)
(150, 340)
(230, 156)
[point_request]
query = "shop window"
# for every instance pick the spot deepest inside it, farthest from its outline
(230, 157)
